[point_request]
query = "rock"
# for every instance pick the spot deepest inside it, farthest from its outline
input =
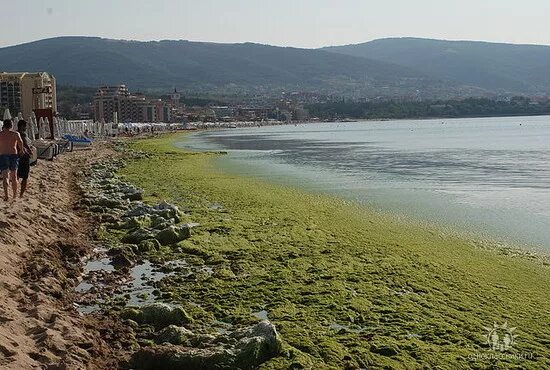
(175, 335)
(132, 324)
(133, 314)
(138, 235)
(138, 222)
(168, 211)
(160, 223)
(122, 260)
(170, 357)
(173, 234)
(159, 315)
(179, 315)
(139, 209)
(122, 256)
(135, 195)
(149, 245)
(384, 350)
(256, 345)
(246, 349)
(109, 203)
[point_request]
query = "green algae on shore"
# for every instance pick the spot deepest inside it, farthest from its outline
(345, 287)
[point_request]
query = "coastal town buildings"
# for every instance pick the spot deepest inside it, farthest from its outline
(26, 92)
(117, 104)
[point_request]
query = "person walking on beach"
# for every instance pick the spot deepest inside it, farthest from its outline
(10, 145)
(24, 158)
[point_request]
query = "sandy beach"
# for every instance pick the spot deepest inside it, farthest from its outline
(42, 239)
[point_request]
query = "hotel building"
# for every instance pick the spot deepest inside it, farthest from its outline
(109, 100)
(23, 92)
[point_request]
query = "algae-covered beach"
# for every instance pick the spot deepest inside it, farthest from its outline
(344, 286)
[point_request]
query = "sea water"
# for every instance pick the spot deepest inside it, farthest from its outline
(491, 175)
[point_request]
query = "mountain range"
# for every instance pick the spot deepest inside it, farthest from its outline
(385, 67)
(491, 66)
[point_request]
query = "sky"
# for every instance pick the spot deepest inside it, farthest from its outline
(297, 23)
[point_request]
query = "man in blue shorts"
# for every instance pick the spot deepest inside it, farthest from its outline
(10, 145)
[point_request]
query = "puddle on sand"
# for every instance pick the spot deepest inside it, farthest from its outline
(143, 275)
(83, 287)
(88, 308)
(140, 292)
(262, 315)
(94, 265)
(103, 264)
(140, 286)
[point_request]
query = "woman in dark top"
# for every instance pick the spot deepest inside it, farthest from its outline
(24, 158)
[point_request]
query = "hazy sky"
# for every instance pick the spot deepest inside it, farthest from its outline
(300, 23)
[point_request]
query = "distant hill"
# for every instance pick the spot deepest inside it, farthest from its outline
(90, 61)
(386, 67)
(496, 67)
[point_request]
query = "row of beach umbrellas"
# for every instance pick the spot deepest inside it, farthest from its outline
(40, 128)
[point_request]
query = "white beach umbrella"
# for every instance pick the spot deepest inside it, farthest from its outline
(41, 124)
(30, 128)
(47, 131)
(33, 119)
(56, 131)
(35, 126)
(30, 131)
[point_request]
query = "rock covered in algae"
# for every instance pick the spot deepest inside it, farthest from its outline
(149, 245)
(159, 315)
(243, 349)
(175, 335)
(168, 211)
(173, 234)
(138, 235)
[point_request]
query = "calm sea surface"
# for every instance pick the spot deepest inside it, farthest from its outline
(491, 175)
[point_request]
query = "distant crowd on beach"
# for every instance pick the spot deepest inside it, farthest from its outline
(15, 156)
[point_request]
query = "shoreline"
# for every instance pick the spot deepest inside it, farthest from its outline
(491, 239)
(357, 120)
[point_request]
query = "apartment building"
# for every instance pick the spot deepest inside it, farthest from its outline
(109, 100)
(24, 92)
